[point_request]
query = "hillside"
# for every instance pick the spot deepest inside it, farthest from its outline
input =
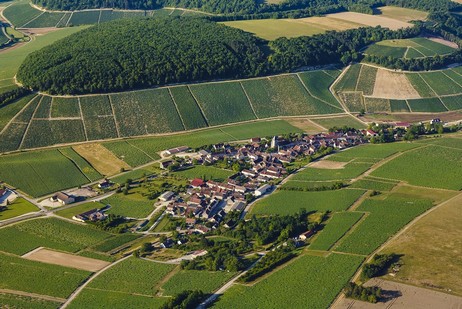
(141, 53)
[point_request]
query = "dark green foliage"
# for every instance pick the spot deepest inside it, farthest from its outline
(185, 300)
(12, 95)
(379, 264)
(141, 53)
(370, 294)
(268, 263)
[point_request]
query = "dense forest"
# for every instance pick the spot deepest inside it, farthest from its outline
(142, 53)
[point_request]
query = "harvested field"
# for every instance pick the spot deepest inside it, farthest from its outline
(104, 161)
(389, 85)
(443, 41)
(370, 20)
(329, 165)
(65, 259)
(411, 297)
(306, 125)
(402, 14)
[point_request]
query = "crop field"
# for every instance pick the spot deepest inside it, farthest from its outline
(45, 20)
(11, 137)
(440, 83)
(386, 217)
(189, 110)
(15, 301)
(115, 242)
(402, 14)
(420, 85)
(130, 154)
(84, 18)
(409, 48)
(146, 112)
(133, 276)
(339, 122)
(39, 173)
(377, 105)
(132, 205)
(320, 279)
(81, 163)
(369, 184)
(19, 207)
(349, 80)
(205, 172)
(336, 227)
(52, 233)
(307, 184)
(452, 142)
(373, 151)
(104, 161)
(427, 105)
(44, 108)
(134, 174)
(35, 277)
(350, 171)
(413, 167)
(43, 133)
(366, 80)
(20, 13)
(65, 107)
(318, 83)
(9, 111)
(206, 281)
(290, 202)
(400, 106)
(223, 102)
(98, 118)
(260, 129)
(115, 300)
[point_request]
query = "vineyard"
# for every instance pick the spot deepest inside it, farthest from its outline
(366, 88)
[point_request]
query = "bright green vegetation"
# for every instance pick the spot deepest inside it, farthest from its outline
(41, 172)
(43, 133)
(427, 105)
(444, 142)
(431, 166)
(366, 80)
(349, 80)
(408, 48)
(387, 216)
(65, 107)
(133, 276)
(15, 301)
(370, 184)
(234, 105)
(97, 255)
(205, 172)
(206, 281)
(89, 297)
(84, 18)
(52, 233)
(146, 112)
(190, 112)
(35, 277)
(397, 106)
(290, 202)
(371, 151)
(72, 211)
(9, 111)
(310, 274)
(259, 129)
(339, 122)
(115, 242)
(130, 154)
(336, 227)
(19, 207)
(420, 86)
(309, 185)
(20, 13)
(11, 137)
(132, 205)
(81, 163)
(318, 83)
(440, 83)
(134, 174)
(26, 114)
(350, 171)
(287, 95)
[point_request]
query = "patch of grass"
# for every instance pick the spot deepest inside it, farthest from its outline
(19, 207)
(132, 205)
(205, 172)
(290, 202)
(369, 184)
(340, 122)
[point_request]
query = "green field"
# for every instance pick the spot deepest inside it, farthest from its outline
(373, 151)
(190, 112)
(369, 184)
(290, 202)
(20, 13)
(377, 105)
(349, 80)
(366, 80)
(45, 20)
(318, 83)
(132, 205)
(11, 137)
(84, 18)
(43, 133)
(350, 171)
(81, 163)
(72, 211)
(336, 227)
(397, 106)
(206, 281)
(130, 154)
(115, 242)
(205, 172)
(35, 277)
(19, 207)
(427, 105)
(7, 112)
(414, 167)
(52, 233)
(44, 108)
(420, 85)
(15, 301)
(440, 83)
(408, 48)
(340, 122)
(319, 278)
(386, 217)
(41, 172)
(65, 107)
(223, 102)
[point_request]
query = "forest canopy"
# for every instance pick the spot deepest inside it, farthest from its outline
(142, 53)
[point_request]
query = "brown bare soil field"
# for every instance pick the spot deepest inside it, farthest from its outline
(390, 85)
(411, 297)
(328, 165)
(104, 161)
(306, 125)
(443, 41)
(370, 20)
(64, 259)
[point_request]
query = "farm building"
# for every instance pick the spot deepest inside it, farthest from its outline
(62, 198)
(91, 215)
(176, 150)
(262, 190)
(166, 196)
(306, 235)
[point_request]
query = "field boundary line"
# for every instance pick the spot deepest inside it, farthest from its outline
(334, 77)
(311, 95)
(69, 20)
(176, 107)
(51, 107)
(75, 163)
(120, 292)
(99, 17)
(226, 133)
(408, 106)
(248, 99)
(23, 26)
(64, 15)
(444, 104)
(128, 142)
(198, 105)
(16, 116)
(350, 230)
(452, 69)
(29, 124)
(114, 116)
(430, 87)
(359, 78)
(81, 118)
(405, 53)
(34, 295)
(89, 280)
(444, 73)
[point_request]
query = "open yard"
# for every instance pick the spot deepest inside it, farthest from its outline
(19, 207)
